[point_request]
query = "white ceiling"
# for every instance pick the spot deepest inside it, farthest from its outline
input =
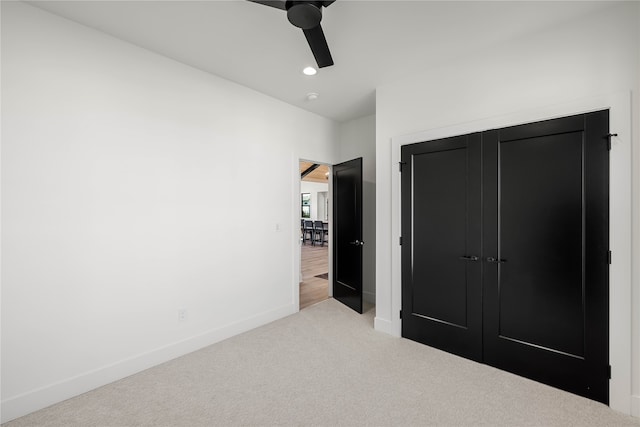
(372, 42)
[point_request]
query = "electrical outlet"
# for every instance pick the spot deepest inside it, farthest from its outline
(182, 314)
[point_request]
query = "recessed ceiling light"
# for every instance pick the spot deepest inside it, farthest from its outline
(310, 71)
(312, 96)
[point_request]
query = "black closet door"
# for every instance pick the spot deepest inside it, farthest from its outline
(441, 229)
(545, 231)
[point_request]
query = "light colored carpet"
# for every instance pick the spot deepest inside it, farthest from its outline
(324, 366)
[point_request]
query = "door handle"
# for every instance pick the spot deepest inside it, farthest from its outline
(357, 243)
(496, 260)
(470, 258)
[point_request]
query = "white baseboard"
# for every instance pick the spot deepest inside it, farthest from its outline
(635, 406)
(384, 325)
(48, 395)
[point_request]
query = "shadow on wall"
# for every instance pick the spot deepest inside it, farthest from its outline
(369, 237)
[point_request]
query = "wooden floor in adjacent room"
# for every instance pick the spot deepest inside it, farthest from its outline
(315, 262)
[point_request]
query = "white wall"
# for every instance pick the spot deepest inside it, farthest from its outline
(128, 182)
(594, 57)
(314, 188)
(358, 139)
(323, 205)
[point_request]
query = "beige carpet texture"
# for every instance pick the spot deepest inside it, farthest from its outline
(324, 366)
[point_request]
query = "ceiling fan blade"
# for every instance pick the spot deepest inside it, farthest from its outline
(278, 4)
(327, 3)
(319, 47)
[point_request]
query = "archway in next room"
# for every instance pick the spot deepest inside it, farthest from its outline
(314, 232)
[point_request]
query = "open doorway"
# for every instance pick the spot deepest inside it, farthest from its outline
(314, 232)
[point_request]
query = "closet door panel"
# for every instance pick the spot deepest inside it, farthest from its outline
(541, 240)
(439, 277)
(441, 244)
(545, 247)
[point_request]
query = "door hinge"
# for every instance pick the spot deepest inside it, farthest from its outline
(401, 318)
(609, 257)
(609, 371)
(400, 165)
(608, 137)
(400, 240)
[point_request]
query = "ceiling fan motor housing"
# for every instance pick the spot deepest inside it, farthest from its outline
(304, 14)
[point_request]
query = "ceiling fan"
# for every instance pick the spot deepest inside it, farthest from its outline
(307, 16)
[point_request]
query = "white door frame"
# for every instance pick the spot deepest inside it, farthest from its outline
(297, 244)
(620, 195)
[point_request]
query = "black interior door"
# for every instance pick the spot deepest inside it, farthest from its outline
(347, 233)
(441, 248)
(533, 205)
(546, 234)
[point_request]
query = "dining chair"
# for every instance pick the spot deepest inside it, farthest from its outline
(318, 233)
(307, 231)
(325, 232)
